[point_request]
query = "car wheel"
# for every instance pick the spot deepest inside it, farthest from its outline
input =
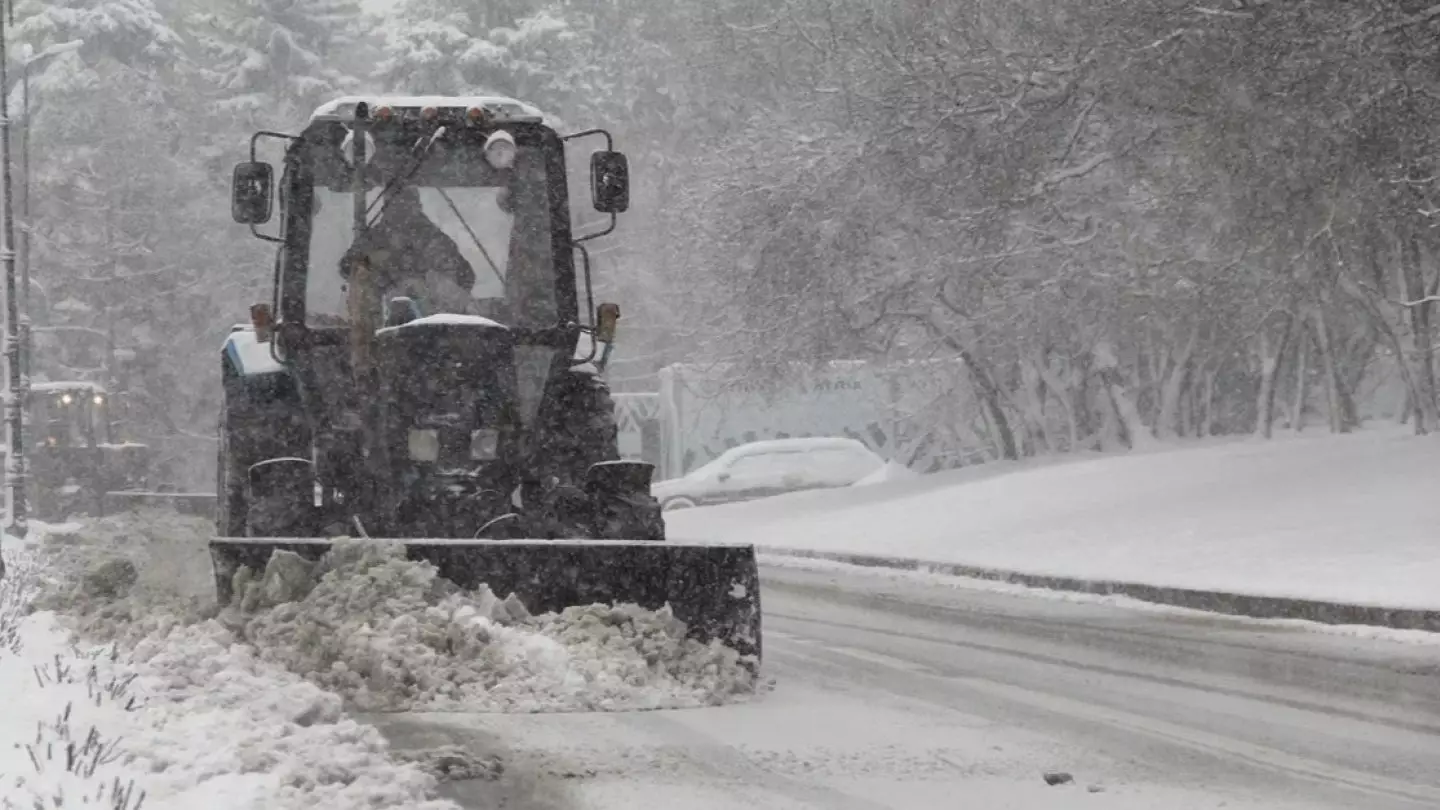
(677, 503)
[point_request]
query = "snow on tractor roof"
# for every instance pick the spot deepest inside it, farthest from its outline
(501, 108)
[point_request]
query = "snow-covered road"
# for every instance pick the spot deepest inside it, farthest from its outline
(906, 695)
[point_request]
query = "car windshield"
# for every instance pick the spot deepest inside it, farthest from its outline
(468, 239)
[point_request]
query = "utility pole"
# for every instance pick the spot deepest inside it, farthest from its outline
(14, 405)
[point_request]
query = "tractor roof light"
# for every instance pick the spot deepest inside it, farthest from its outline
(98, 399)
(384, 114)
(66, 399)
(430, 113)
(477, 116)
(500, 150)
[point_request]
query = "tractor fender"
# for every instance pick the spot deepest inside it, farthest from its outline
(253, 380)
(247, 356)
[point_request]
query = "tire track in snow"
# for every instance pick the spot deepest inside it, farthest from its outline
(1398, 687)
(1040, 694)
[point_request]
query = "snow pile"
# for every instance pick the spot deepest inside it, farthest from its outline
(121, 727)
(122, 577)
(286, 743)
(385, 633)
(389, 634)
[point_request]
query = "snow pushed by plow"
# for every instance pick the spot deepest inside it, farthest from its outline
(163, 699)
(388, 634)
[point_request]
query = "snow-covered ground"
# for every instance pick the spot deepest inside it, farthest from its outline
(169, 697)
(187, 718)
(1340, 518)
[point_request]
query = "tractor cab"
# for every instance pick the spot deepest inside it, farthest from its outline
(427, 312)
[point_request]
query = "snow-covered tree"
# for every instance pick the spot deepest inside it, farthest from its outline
(272, 60)
(130, 32)
(457, 47)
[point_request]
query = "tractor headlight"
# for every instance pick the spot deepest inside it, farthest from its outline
(66, 399)
(424, 445)
(484, 445)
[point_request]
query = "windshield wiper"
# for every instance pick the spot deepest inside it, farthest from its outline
(421, 150)
(500, 277)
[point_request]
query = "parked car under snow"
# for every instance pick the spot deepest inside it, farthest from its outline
(761, 469)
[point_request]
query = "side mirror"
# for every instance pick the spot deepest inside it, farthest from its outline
(251, 187)
(610, 182)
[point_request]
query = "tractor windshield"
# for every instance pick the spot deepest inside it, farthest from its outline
(452, 233)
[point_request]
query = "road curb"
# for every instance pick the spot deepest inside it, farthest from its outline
(1233, 604)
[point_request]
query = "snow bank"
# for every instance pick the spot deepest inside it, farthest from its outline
(1331, 518)
(388, 634)
(177, 703)
(126, 726)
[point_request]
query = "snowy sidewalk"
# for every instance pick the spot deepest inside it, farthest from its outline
(1345, 519)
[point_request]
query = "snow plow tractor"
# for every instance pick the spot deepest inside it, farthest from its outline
(426, 374)
(79, 466)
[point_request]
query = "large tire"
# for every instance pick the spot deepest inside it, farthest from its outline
(581, 431)
(578, 429)
(260, 419)
(231, 467)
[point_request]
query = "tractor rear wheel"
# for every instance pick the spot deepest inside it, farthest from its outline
(591, 436)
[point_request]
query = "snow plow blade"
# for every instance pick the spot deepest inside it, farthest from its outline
(713, 589)
(198, 504)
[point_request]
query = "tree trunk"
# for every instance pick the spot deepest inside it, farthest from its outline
(1173, 388)
(1427, 415)
(990, 395)
(1302, 371)
(1269, 370)
(1107, 366)
(1334, 399)
(1033, 386)
(1064, 395)
(1207, 427)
